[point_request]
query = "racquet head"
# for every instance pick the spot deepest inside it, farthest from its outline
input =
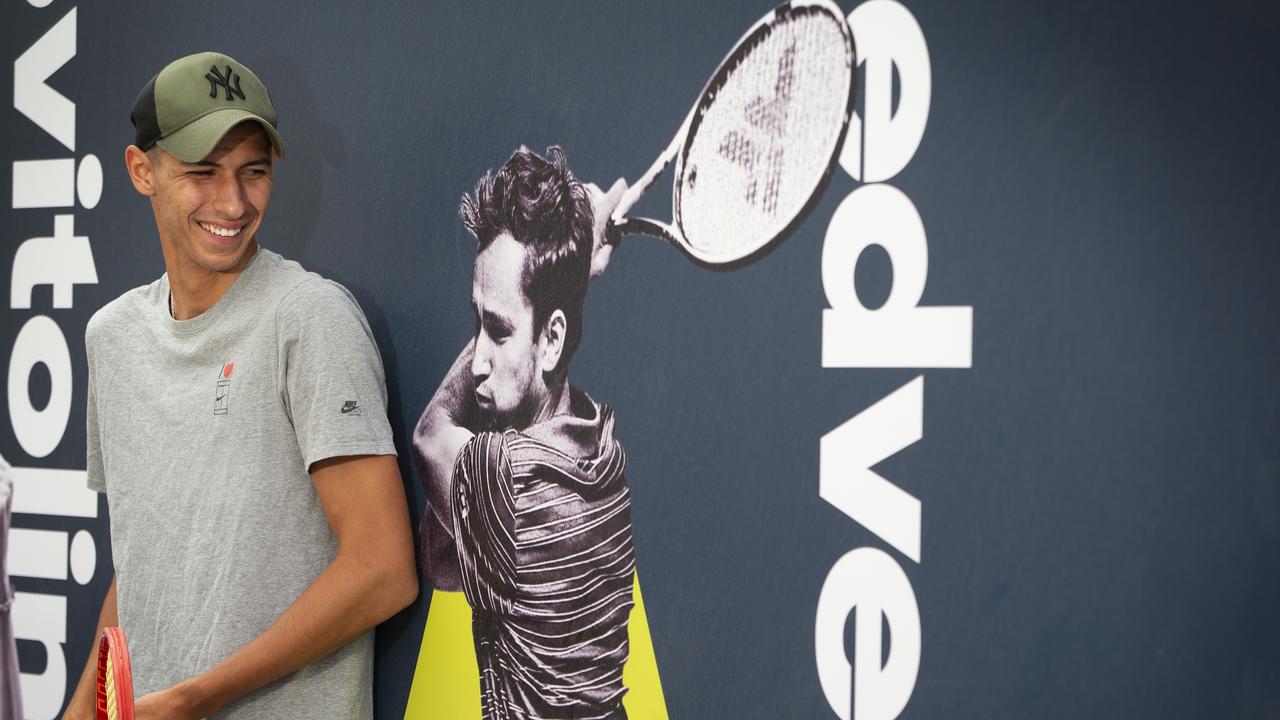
(763, 137)
(115, 681)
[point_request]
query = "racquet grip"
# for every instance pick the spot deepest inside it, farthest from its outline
(645, 181)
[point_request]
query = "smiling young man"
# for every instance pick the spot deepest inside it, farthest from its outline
(528, 511)
(237, 423)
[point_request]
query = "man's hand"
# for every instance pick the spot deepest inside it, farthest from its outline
(604, 206)
(164, 705)
(171, 704)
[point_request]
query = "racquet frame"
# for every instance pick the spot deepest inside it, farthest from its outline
(113, 646)
(679, 147)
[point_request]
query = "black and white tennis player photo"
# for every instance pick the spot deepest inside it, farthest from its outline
(528, 508)
(528, 511)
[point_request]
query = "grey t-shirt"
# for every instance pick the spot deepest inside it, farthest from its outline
(201, 433)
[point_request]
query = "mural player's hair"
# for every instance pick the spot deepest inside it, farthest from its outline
(544, 208)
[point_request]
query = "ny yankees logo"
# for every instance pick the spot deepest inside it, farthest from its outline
(770, 116)
(216, 78)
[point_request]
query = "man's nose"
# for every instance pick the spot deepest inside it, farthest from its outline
(480, 360)
(230, 200)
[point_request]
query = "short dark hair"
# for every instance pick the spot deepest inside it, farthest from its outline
(544, 208)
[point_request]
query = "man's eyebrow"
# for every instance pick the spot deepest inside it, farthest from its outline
(211, 163)
(500, 320)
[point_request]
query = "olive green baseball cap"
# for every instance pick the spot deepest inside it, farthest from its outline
(195, 100)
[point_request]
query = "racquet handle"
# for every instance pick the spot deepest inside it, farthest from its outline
(619, 224)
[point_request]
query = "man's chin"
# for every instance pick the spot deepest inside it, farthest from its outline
(495, 420)
(226, 258)
(502, 422)
(490, 422)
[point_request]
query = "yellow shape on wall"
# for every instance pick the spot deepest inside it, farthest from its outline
(446, 682)
(644, 698)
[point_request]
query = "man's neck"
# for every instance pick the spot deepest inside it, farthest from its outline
(556, 403)
(193, 290)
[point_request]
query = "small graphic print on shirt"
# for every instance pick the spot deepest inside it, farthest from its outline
(223, 389)
(351, 407)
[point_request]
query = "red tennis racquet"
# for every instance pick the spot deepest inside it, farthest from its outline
(115, 682)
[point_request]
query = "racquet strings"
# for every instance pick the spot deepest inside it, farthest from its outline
(765, 138)
(113, 708)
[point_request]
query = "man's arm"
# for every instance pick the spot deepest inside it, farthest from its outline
(371, 579)
(603, 206)
(83, 700)
(446, 425)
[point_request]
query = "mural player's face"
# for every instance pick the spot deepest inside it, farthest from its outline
(509, 386)
(209, 212)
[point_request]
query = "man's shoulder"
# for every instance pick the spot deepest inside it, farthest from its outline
(123, 314)
(302, 294)
(489, 449)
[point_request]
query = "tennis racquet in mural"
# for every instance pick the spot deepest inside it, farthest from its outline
(115, 681)
(761, 140)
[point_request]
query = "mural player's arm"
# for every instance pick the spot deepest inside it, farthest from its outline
(446, 425)
(603, 206)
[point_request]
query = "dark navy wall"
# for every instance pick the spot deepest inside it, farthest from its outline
(1101, 490)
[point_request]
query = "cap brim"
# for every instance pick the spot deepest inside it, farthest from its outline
(194, 142)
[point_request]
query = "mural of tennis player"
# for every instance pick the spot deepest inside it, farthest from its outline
(528, 511)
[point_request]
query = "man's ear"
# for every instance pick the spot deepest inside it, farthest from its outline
(142, 171)
(553, 336)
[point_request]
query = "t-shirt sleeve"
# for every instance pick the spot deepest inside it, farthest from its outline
(330, 374)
